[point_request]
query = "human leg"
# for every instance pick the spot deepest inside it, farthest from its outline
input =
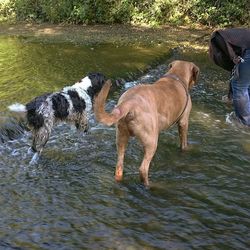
(241, 89)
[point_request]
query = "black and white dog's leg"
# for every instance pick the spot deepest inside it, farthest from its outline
(82, 123)
(40, 138)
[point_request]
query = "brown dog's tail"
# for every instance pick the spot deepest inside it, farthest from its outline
(99, 107)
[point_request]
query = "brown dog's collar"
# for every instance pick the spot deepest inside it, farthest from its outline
(175, 77)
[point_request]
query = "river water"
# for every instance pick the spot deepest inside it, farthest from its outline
(199, 199)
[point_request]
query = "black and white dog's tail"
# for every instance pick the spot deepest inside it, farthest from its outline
(18, 108)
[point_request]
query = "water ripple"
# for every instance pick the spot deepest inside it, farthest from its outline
(198, 199)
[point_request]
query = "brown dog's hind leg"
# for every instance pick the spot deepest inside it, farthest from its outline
(122, 137)
(149, 151)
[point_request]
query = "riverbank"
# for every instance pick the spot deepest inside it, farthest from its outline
(116, 34)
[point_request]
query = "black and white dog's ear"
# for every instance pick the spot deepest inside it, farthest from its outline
(97, 82)
(96, 78)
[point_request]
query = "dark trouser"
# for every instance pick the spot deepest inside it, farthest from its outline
(241, 89)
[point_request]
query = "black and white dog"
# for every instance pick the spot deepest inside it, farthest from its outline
(71, 104)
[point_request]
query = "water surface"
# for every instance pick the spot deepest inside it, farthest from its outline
(30, 69)
(198, 199)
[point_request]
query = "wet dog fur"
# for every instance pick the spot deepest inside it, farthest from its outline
(72, 104)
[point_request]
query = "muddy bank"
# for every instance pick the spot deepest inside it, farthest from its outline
(118, 34)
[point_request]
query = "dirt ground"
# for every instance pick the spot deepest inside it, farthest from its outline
(117, 34)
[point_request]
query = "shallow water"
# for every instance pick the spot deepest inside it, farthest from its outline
(35, 68)
(198, 199)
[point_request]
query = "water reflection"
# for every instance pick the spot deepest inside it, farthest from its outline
(30, 69)
(199, 199)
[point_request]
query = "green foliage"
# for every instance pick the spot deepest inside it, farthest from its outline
(152, 12)
(224, 12)
(6, 10)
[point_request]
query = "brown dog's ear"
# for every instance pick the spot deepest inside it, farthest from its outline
(196, 72)
(170, 66)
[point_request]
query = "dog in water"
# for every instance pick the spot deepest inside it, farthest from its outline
(145, 110)
(71, 104)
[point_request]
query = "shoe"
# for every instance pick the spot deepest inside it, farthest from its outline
(227, 100)
(234, 120)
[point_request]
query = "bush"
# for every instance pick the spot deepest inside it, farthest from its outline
(152, 12)
(6, 10)
(227, 12)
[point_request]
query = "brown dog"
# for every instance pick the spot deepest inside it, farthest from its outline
(144, 110)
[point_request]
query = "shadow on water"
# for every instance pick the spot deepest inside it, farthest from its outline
(198, 199)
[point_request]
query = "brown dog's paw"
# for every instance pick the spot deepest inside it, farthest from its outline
(118, 175)
(184, 149)
(118, 178)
